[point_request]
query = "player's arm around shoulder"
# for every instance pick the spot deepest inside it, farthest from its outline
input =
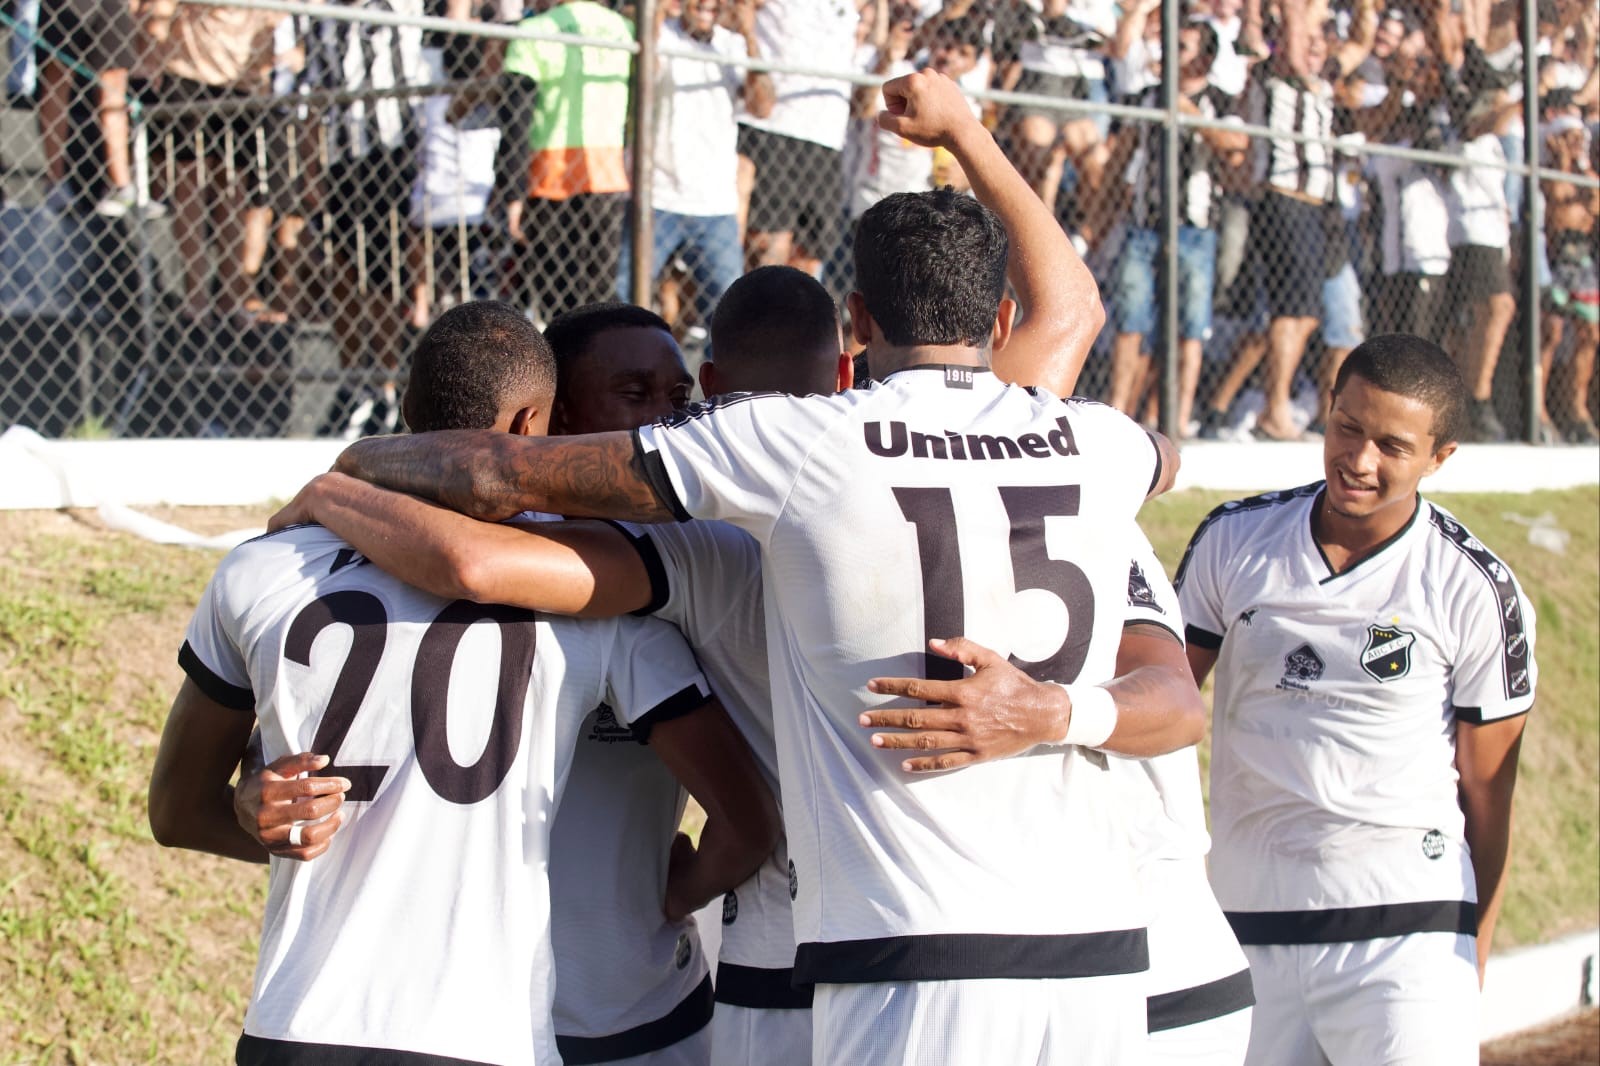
(575, 568)
(493, 475)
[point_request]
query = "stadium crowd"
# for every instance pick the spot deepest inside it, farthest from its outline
(1288, 255)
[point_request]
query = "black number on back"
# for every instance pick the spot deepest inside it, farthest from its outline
(932, 512)
(430, 688)
(369, 628)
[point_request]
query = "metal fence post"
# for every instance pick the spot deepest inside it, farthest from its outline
(146, 258)
(644, 150)
(1171, 182)
(1532, 224)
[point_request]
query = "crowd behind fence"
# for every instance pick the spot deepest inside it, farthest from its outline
(231, 220)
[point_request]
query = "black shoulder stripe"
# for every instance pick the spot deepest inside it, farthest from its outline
(1513, 636)
(222, 692)
(655, 472)
(1232, 507)
(701, 408)
(1202, 638)
(650, 556)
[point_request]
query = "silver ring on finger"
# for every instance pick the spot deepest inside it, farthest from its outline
(294, 835)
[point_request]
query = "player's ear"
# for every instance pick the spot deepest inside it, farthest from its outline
(708, 380)
(847, 372)
(1439, 456)
(406, 413)
(530, 422)
(860, 321)
(1004, 317)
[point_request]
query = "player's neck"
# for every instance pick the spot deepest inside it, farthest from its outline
(884, 359)
(1346, 540)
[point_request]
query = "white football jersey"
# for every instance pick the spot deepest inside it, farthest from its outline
(1334, 804)
(706, 580)
(938, 503)
(620, 964)
(1197, 969)
(425, 926)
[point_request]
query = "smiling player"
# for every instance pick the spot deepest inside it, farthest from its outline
(1374, 662)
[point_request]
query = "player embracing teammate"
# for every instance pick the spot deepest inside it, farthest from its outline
(1002, 913)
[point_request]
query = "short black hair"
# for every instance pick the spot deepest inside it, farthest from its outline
(1416, 368)
(931, 267)
(779, 323)
(571, 333)
(470, 361)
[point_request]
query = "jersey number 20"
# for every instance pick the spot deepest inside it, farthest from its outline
(932, 512)
(430, 687)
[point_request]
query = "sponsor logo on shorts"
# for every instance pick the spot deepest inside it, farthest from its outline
(730, 908)
(1387, 655)
(1433, 843)
(1301, 667)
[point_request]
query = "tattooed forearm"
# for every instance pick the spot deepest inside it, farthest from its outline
(596, 476)
(493, 475)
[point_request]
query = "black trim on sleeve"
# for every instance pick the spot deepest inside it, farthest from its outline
(761, 989)
(680, 703)
(1474, 715)
(683, 1021)
(651, 558)
(262, 1051)
(227, 694)
(972, 956)
(1132, 623)
(655, 472)
(1515, 662)
(1155, 478)
(1202, 638)
(1341, 925)
(1189, 1006)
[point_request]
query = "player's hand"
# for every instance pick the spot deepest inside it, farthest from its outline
(271, 803)
(926, 108)
(676, 906)
(995, 712)
(298, 511)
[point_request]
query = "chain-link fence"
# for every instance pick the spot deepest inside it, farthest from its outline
(233, 220)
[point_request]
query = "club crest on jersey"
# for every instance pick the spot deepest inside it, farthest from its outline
(1433, 843)
(1301, 667)
(1139, 592)
(1388, 652)
(730, 908)
(606, 728)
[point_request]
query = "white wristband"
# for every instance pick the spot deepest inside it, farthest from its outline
(1094, 715)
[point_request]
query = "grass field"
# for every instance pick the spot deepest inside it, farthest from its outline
(118, 951)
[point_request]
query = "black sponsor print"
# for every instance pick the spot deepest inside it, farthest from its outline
(1514, 662)
(1301, 667)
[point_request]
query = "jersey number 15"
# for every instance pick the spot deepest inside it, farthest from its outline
(932, 512)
